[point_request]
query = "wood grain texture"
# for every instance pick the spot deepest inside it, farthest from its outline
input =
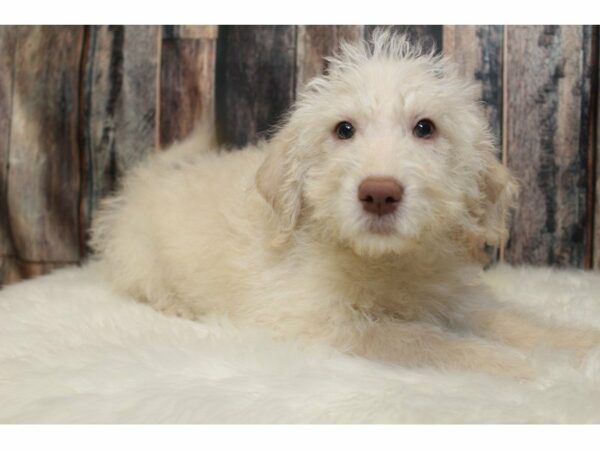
(187, 81)
(119, 108)
(594, 159)
(428, 36)
(190, 32)
(255, 80)
(43, 176)
(7, 49)
(548, 91)
(478, 52)
(316, 42)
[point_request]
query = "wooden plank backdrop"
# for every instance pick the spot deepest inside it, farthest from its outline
(42, 183)
(187, 80)
(547, 121)
(79, 105)
(255, 79)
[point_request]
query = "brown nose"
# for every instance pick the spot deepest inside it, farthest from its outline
(380, 195)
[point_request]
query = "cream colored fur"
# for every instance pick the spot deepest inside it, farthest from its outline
(274, 235)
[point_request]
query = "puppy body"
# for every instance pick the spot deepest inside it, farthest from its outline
(274, 235)
(193, 236)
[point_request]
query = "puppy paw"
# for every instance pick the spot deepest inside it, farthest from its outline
(178, 310)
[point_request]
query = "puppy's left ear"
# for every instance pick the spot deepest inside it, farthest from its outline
(498, 192)
(279, 181)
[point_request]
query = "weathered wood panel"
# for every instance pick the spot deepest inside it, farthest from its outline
(594, 157)
(119, 113)
(478, 53)
(190, 32)
(317, 41)
(7, 49)
(255, 79)
(187, 80)
(428, 36)
(547, 110)
(43, 177)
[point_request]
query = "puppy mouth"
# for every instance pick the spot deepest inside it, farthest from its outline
(381, 225)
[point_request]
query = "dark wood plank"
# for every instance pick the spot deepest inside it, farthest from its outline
(594, 157)
(255, 79)
(119, 108)
(43, 178)
(317, 41)
(187, 80)
(547, 111)
(428, 36)
(7, 49)
(6, 271)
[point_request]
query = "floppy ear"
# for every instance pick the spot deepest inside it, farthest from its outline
(498, 192)
(279, 181)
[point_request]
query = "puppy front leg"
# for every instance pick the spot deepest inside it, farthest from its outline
(527, 333)
(422, 345)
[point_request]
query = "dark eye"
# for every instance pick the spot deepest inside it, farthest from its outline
(344, 130)
(424, 129)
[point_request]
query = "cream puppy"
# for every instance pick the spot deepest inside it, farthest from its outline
(350, 226)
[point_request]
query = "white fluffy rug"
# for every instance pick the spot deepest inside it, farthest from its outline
(73, 351)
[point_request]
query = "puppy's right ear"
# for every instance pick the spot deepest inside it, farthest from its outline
(498, 192)
(279, 181)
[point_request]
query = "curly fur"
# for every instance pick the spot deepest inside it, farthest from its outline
(274, 235)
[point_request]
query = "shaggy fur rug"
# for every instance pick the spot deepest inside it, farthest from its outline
(73, 351)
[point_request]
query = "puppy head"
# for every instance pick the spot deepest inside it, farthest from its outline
(387, 151)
